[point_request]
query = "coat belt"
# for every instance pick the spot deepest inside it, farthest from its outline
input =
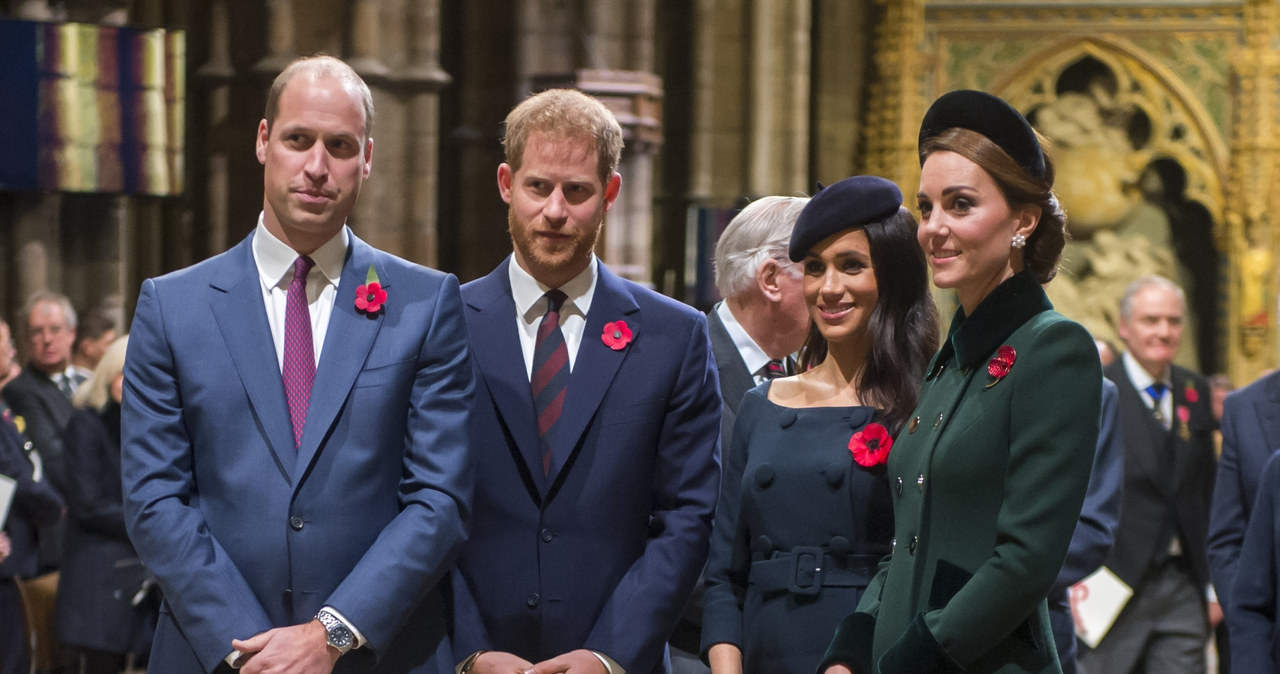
(806, 570)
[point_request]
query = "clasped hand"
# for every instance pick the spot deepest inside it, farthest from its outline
(581, 661)
(299, 649)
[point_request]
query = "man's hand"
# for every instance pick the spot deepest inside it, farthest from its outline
(497, 662)
(300, 649)
(581, 661)
(838, 669)
(5, 548)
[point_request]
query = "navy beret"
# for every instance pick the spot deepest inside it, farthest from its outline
(843, 205)
(990, 116)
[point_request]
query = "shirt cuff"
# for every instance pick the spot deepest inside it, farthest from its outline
(357, 639)
(1211, 595)
(609, 665)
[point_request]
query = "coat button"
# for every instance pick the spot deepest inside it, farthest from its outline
(938, 422)
(546, 535)
(764, 476)
(532, 600)
(893, 544)
(911, 427)
(911, 547)
(788, 418)
(899, 485)
(296, 523)
(920, 482)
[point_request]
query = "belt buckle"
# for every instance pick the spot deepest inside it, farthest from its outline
(806, 571)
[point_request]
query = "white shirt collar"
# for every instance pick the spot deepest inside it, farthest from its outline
(752, 355)
(527, 291)
(1139, 376)
(274, 258)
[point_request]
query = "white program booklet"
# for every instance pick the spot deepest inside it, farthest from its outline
(8, 487)
(1096, 601)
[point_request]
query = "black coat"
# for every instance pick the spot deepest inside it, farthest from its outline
(34, 503)
(101, 572)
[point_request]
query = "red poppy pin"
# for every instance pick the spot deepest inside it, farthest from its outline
(1001, 363)
(870, 446)
(616, 335)
(1184, 414)
(1191, 394)
(370, 297)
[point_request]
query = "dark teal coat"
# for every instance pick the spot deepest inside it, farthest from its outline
(987, 480)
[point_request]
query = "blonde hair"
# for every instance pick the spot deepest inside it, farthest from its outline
(96, 392)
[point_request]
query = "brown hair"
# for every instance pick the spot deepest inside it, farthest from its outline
(318, 66)
(1044, 247)
(564, 114)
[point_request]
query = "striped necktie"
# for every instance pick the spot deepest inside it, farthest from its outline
(550, 378)
(772, 370)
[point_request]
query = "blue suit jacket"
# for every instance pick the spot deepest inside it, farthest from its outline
(1250, 435)
(1255, 595)
(246, 533)
(602, 553)
(1096, 531)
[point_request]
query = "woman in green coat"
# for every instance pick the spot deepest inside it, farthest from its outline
(989, 474)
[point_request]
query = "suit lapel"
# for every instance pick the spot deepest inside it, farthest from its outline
(1144, 438)
(242, 319)
(497, 352)
(735, 379)
(595, 366)
(1268, 407)
(347, 342)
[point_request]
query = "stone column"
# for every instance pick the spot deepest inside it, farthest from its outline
(423, 79)
(281, 43)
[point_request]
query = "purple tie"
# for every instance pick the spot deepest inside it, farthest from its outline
(299, 352)
(550, 373)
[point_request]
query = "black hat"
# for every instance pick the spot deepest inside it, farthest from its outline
(990, 116)
(840, 206)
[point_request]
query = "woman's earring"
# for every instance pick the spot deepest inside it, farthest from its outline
(1019, 241)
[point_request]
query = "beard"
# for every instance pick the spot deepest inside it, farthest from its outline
(552, 258)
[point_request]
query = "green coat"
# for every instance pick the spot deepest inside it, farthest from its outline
(987, 479)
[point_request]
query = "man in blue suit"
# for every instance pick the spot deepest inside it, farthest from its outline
(1250, 435)
(1095, 532)
(595, 430)
(296, 463)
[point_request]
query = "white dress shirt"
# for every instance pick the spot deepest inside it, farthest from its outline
(531, 306)
(274, 260)
(1142, 379)
(753, 356)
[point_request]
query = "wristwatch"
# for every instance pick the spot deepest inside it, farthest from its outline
(340, 636)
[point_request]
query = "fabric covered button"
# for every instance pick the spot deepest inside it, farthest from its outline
(839, 546)
(764, 475)
(834, 473)
(787, 419)
(762, 544)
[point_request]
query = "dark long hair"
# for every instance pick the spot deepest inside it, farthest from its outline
(903, 325)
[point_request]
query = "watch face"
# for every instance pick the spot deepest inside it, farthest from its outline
(340, 637)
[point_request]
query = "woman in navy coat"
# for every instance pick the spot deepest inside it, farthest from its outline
(106, 607)
(804, 513)
(989, 475)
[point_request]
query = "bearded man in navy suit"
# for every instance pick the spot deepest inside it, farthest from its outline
(295, 454)
(595, 430)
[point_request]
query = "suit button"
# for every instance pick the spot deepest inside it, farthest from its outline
(546, 535)
(532, 600)
(911, 547)
(296, 523)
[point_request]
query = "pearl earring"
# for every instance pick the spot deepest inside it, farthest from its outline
(1019, 241)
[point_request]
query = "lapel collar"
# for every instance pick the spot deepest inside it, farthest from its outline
(347, 342)
(735, 379)
(596, 364)
(1268, 410)
(242, 319)
(1006, 309)
(1144, 438)
(497, 353)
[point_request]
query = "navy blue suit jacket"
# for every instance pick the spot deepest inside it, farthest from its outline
(1250, 435)
(1255, 595)
(244, 532)
(1095, 532)
(603, 552)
